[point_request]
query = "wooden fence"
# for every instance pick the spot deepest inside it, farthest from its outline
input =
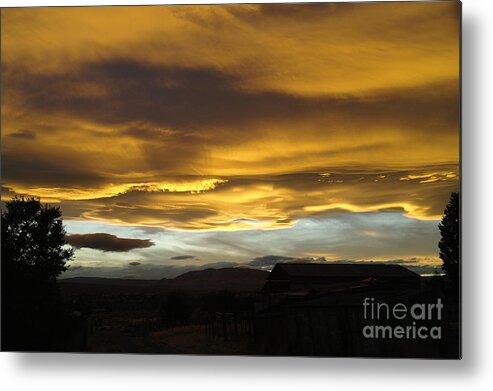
(231, 326)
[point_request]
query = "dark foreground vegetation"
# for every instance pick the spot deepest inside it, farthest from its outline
(154, 319)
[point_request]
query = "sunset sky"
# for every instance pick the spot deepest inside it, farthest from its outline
(181, 137)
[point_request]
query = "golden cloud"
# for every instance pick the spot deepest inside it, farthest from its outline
(232, 117)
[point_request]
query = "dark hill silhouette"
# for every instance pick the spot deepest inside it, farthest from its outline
(98, 285)
(107, 281)
(208, 280)
(232, 279)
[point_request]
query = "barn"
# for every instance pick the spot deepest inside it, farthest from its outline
(317, 310)
(299, 278)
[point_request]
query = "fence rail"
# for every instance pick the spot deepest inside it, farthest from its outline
(231, 326)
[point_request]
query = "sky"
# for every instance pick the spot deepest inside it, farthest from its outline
(175, 138)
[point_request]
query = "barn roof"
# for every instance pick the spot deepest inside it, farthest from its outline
(312, 270)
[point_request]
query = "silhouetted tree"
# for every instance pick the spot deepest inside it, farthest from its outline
(450, 242)
(33, 255)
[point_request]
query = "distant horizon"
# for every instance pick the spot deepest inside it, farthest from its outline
(176, 271)
(239, 266)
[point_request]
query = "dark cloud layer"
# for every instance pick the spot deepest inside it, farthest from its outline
(172, 96)
(194, 100)
(106, 242)
(23, 135)
(182, 257)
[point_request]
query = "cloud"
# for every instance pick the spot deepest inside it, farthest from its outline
(23, 135)
(405, 132)
(421, 265)
(220, 117)
(269, 260)
(410, 261)
(234, 205)
(383, 83)
(377, 45)
(106, 242)
(385, 235)
(74, 267)
(182, 257)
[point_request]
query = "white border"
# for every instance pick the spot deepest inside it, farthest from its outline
(139, 372)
